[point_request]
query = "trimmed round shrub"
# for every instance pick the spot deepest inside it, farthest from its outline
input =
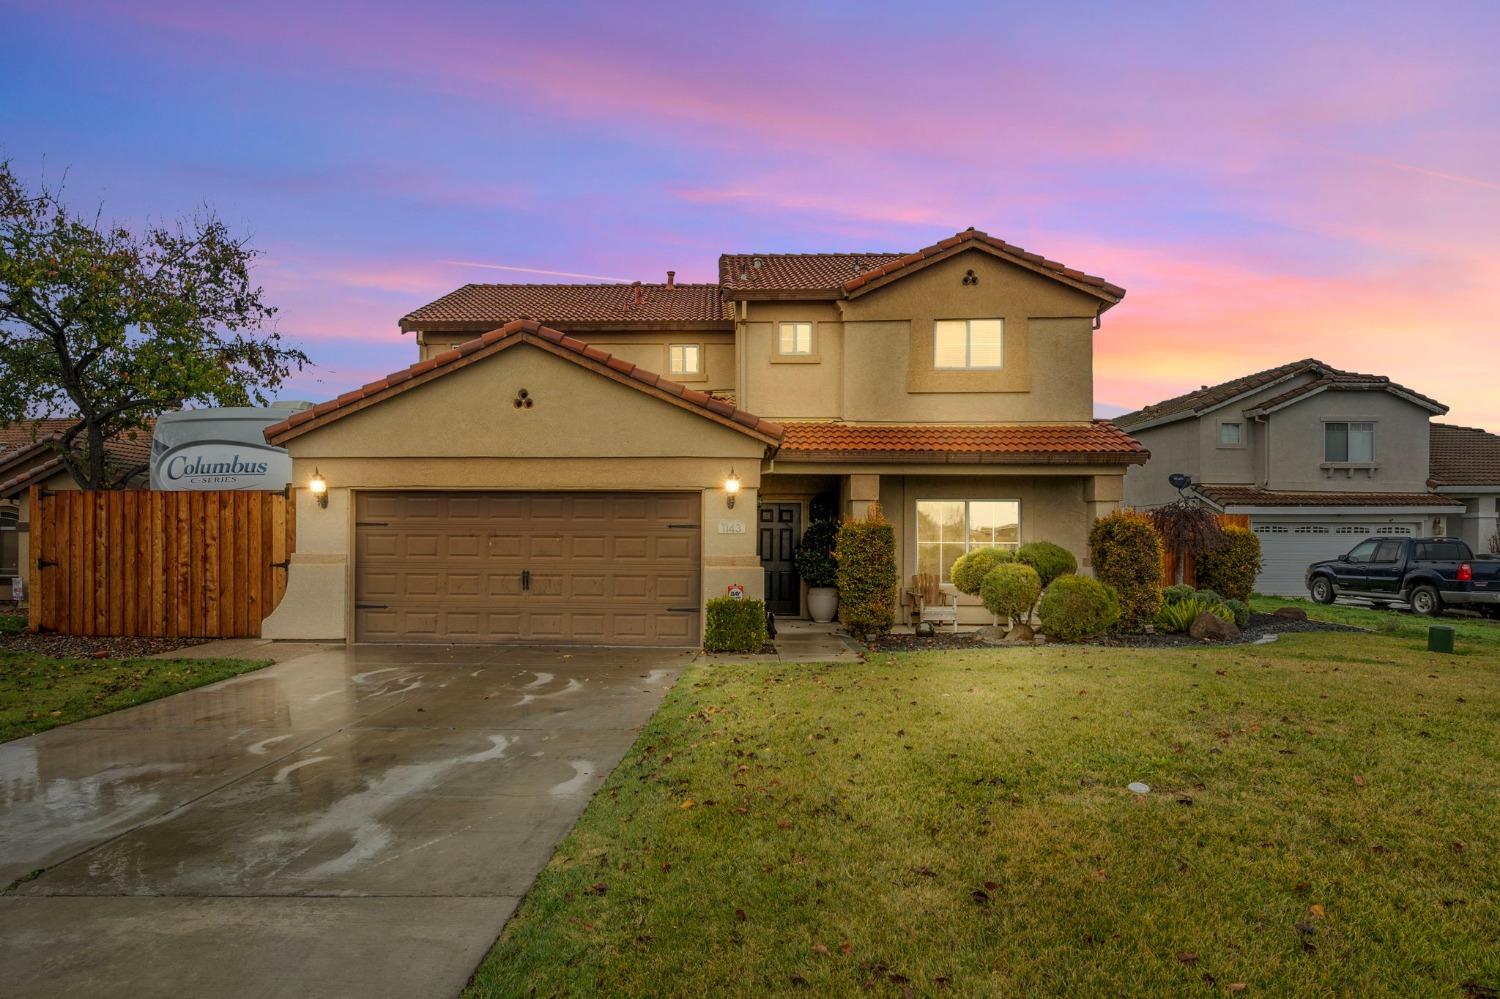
(1009, 591)
(1177, 594)
(1126, 553)
(814, 558)
(866, 555)
(1231, 568)
(1049, 560)
(969, 571)
(1240, 610)
(1074, 608)
(1207, 596)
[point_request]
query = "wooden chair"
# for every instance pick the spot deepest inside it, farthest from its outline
(932, 602)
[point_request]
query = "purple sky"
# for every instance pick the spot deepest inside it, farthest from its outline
(1269, 182)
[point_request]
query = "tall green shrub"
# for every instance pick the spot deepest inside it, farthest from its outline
(1231, 568)
(815, 563)
(1126, 552)
(734, 625)
(970, 569)
(1048, 559)
(866, 556)
(1010, 591)
(1075, 608)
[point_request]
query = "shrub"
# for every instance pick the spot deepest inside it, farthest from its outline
(1184, 526)
(1177, 594)
(1208, 596)
(969, 571)
(1076, 607)
(1010, 591)
(1231, 568)
(735, 625)
(815, 563)
(866, 555)
(1179, 617)
(1049, 560)
(1240, 610)
(1126, 552)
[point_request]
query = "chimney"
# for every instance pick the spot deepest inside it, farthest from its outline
(639, 295)
(671, 279)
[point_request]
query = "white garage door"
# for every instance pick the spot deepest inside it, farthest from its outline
(1288, 547)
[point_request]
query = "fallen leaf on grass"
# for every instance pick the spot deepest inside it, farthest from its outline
(1316, 911)
(1236, 987)
(687, 804)
(818, 948)
(598, 887)
(740, 915)
(1359, 781)
(980, 896)
(1187, 957)
(846, 948)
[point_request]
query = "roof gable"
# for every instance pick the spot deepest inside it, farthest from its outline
(549, 340)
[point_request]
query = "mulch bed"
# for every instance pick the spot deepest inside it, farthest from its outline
(82, 647)
(1261, 625)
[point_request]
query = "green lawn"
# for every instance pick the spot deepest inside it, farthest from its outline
(1323, 821)
(1474, 631)
(39, 692)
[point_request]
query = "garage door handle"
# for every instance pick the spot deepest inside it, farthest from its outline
(360, 606)
(525, 579)
(682, 610)
(372, 523)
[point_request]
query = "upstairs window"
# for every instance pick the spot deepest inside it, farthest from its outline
(685, 359)
(968, 344)
(1349, 442)
(1231, 433)
(794, 339)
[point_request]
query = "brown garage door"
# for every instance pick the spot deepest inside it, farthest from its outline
(588, 568)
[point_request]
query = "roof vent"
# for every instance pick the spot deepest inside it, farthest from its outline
(757, 263)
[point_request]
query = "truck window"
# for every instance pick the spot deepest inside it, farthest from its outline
(1439, 551)
(1387, 551)
(1363, 551)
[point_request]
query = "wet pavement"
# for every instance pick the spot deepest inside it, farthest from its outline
(351, 821)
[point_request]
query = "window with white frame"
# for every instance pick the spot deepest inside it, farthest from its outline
(1351, 442)
(794, 339)
(685, 359)
(968, 343)
(1231, 433)
(947, 529)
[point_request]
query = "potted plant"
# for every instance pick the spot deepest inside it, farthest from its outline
(816, 566)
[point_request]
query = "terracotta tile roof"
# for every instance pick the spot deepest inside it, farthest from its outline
(1236, 495)
(487, 306)
(24, 433)
(1463, 456)
(1022, 443)
(1210, 397)
(130, 450)
(551, 340)
(848, 273)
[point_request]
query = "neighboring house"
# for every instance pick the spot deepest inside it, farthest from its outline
(589, 463)
(28, 457)
(1317, 457)
(1465, 466)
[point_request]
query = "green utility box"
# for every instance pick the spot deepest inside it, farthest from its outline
(1440, 638)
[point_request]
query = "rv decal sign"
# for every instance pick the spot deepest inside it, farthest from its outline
(221, 465)
(181, 466)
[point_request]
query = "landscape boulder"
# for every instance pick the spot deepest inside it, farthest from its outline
(1290, 613)
(1208, 627)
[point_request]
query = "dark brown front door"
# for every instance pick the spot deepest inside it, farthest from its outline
(780, 531)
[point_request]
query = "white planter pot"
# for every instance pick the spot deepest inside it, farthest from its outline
(823, 603)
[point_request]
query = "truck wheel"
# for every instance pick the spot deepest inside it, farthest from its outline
(1425, 601)
(1322, 590)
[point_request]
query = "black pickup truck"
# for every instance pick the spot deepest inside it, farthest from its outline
(1427, 573)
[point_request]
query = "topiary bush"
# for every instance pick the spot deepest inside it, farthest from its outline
(866, 556)
(1230, 568)
(970, 569)
(1240, 610)
(1177, 594)
(1126, 552)
(735, 625)
(1010, 590)
(1049, 560)
(814, 558)
(1074, 608)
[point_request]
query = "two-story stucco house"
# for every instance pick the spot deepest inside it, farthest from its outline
(590, 463)
(1317, 457)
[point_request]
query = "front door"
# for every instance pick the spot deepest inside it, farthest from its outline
(780, 531)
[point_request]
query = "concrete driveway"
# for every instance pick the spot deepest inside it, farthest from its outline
(351, 821)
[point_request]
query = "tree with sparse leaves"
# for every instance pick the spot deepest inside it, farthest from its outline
(111, 327)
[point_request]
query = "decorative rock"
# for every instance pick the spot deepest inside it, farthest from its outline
(1290, 613)
(1209, 627)
(1137, 787)
(1020, 633)
(924, 629)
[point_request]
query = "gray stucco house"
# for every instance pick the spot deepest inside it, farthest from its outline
(1465, 466)
(1318, 458)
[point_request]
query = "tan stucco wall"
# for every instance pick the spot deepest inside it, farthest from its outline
(1295, 438)
(462, 431)
(781, 387)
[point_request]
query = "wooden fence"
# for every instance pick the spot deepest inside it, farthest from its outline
(1189, 571)
(157, 564)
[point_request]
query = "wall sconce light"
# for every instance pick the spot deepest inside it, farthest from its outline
(732, 487)
(318, 486)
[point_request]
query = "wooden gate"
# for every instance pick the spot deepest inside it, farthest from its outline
(157, 564)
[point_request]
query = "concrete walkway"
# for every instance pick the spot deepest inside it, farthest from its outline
(801, 642)
(349, 822)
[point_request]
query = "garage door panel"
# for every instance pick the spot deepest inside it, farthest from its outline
(1289, 546)
(610, 568)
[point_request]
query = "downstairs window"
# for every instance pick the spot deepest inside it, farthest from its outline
(947, 529)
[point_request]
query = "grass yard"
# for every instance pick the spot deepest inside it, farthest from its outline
(1475, 632)
(39, 692)
(1322, 821)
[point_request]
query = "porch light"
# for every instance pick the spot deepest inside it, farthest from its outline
(731, 486)
(318, 486)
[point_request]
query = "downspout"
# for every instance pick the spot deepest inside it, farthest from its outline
(1265, 452)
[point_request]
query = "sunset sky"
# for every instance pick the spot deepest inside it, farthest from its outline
(1268, 183)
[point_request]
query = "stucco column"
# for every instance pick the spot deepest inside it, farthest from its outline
(863, 494)
(315, 606)
(1486, 521)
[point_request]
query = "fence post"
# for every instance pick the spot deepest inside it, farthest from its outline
(34, 536)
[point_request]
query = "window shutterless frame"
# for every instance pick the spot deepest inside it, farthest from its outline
(1349, 442)
(968, 344)
(954, 527)
(685, 359)
(794, 339)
